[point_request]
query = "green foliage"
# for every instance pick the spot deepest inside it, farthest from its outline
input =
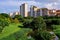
(10, 37)
(43, 35)
(3, 22)
(16, 20)
(52, 20)
(5, 15)
(19, 17)
(56, 29)
(22, 34)
(8, 30)
(38, 23)
(46, 35)
(27, 22)
(38, 29)
(15, 33)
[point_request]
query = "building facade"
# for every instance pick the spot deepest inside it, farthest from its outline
(24, 10)
(57, 12)
(44, 12)
(14, 13)
(34, 11)
(11, 14)
(52, 12)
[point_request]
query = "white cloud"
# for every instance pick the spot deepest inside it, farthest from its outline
(50, 3)
(53, 5)
(17, 3)
(29, 3)
(10, 4)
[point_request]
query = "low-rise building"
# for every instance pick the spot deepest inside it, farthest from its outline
(57, 12)
(51, 12)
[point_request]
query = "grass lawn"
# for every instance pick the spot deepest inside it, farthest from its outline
(12, 31)
(12, 28)
(19, 35)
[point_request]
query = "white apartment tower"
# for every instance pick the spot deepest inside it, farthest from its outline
(24, 10)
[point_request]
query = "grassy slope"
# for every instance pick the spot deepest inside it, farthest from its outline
(12, 31)
(19, 35)
(12, 28)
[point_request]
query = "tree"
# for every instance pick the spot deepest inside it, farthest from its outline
(19, 17)
(3, 23)
(27, 22)
(39, 29)
(16, 20)
(5, 15)
(38, 23)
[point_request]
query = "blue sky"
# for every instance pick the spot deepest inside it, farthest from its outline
(13, 5)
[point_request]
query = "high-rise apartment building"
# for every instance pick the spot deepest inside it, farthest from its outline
(44, 11)
(39, 12)
(24, 10)
(34, 11)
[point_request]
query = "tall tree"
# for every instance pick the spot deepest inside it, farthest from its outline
(38, 23)
(3, 22)
(39, 29)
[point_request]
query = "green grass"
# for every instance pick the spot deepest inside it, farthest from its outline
(12, 28)
(13, 32)
(19, 35)
(10, 37)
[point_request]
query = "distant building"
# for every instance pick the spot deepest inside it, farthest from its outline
(16, 13)
(44, 11)
(52, 12)
(39, 12)
(29, 13)
(34, 11)
(24, 10)
(11, 14)
(57, 12)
